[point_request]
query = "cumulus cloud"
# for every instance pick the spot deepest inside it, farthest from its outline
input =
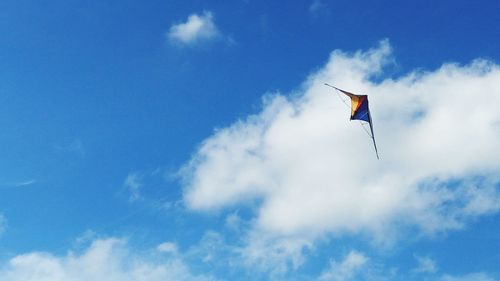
(197, 28)
(106, 259)
(311, 172)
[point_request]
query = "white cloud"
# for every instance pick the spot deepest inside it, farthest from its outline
(75, 146)
(346, 269)
(274, 255)
(3, 224)
(425, 265)
(318, 8)
(87, 236)
(145, 185)
(211, 249)
(314, 173)
(167, 247)
(25, 183)
(107, 259)
(19, 183)
(196, 28)
(112, 259)
(469, 277)
(357, 266)
(133, 184)
(233, 221)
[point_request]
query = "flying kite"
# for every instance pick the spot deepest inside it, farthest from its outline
(360, 111)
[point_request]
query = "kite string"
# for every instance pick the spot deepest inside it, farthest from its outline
(364, 128)
(341, 99)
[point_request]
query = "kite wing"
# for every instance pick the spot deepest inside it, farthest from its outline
(360, 111)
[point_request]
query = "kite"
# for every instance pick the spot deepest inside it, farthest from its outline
(360, 111)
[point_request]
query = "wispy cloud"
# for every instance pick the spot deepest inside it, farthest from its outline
(86, 236)
(480, 276)
(75, 146)
(19, 183)
(24, 183)
(317, 8)
(150, 186)
(314, 173)
(197, 28)
(167, 247)
(275, 255)
(133, 184)
(425, 265)
(3, 224)
(345, 269)
(357, 266)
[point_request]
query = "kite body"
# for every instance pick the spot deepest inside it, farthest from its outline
(359, 107)
(360, 111)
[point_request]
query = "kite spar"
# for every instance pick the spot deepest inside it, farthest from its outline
(360, 111)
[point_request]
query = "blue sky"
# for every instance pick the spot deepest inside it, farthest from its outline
(195, 140)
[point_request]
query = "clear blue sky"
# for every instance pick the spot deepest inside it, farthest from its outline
(102, 104)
